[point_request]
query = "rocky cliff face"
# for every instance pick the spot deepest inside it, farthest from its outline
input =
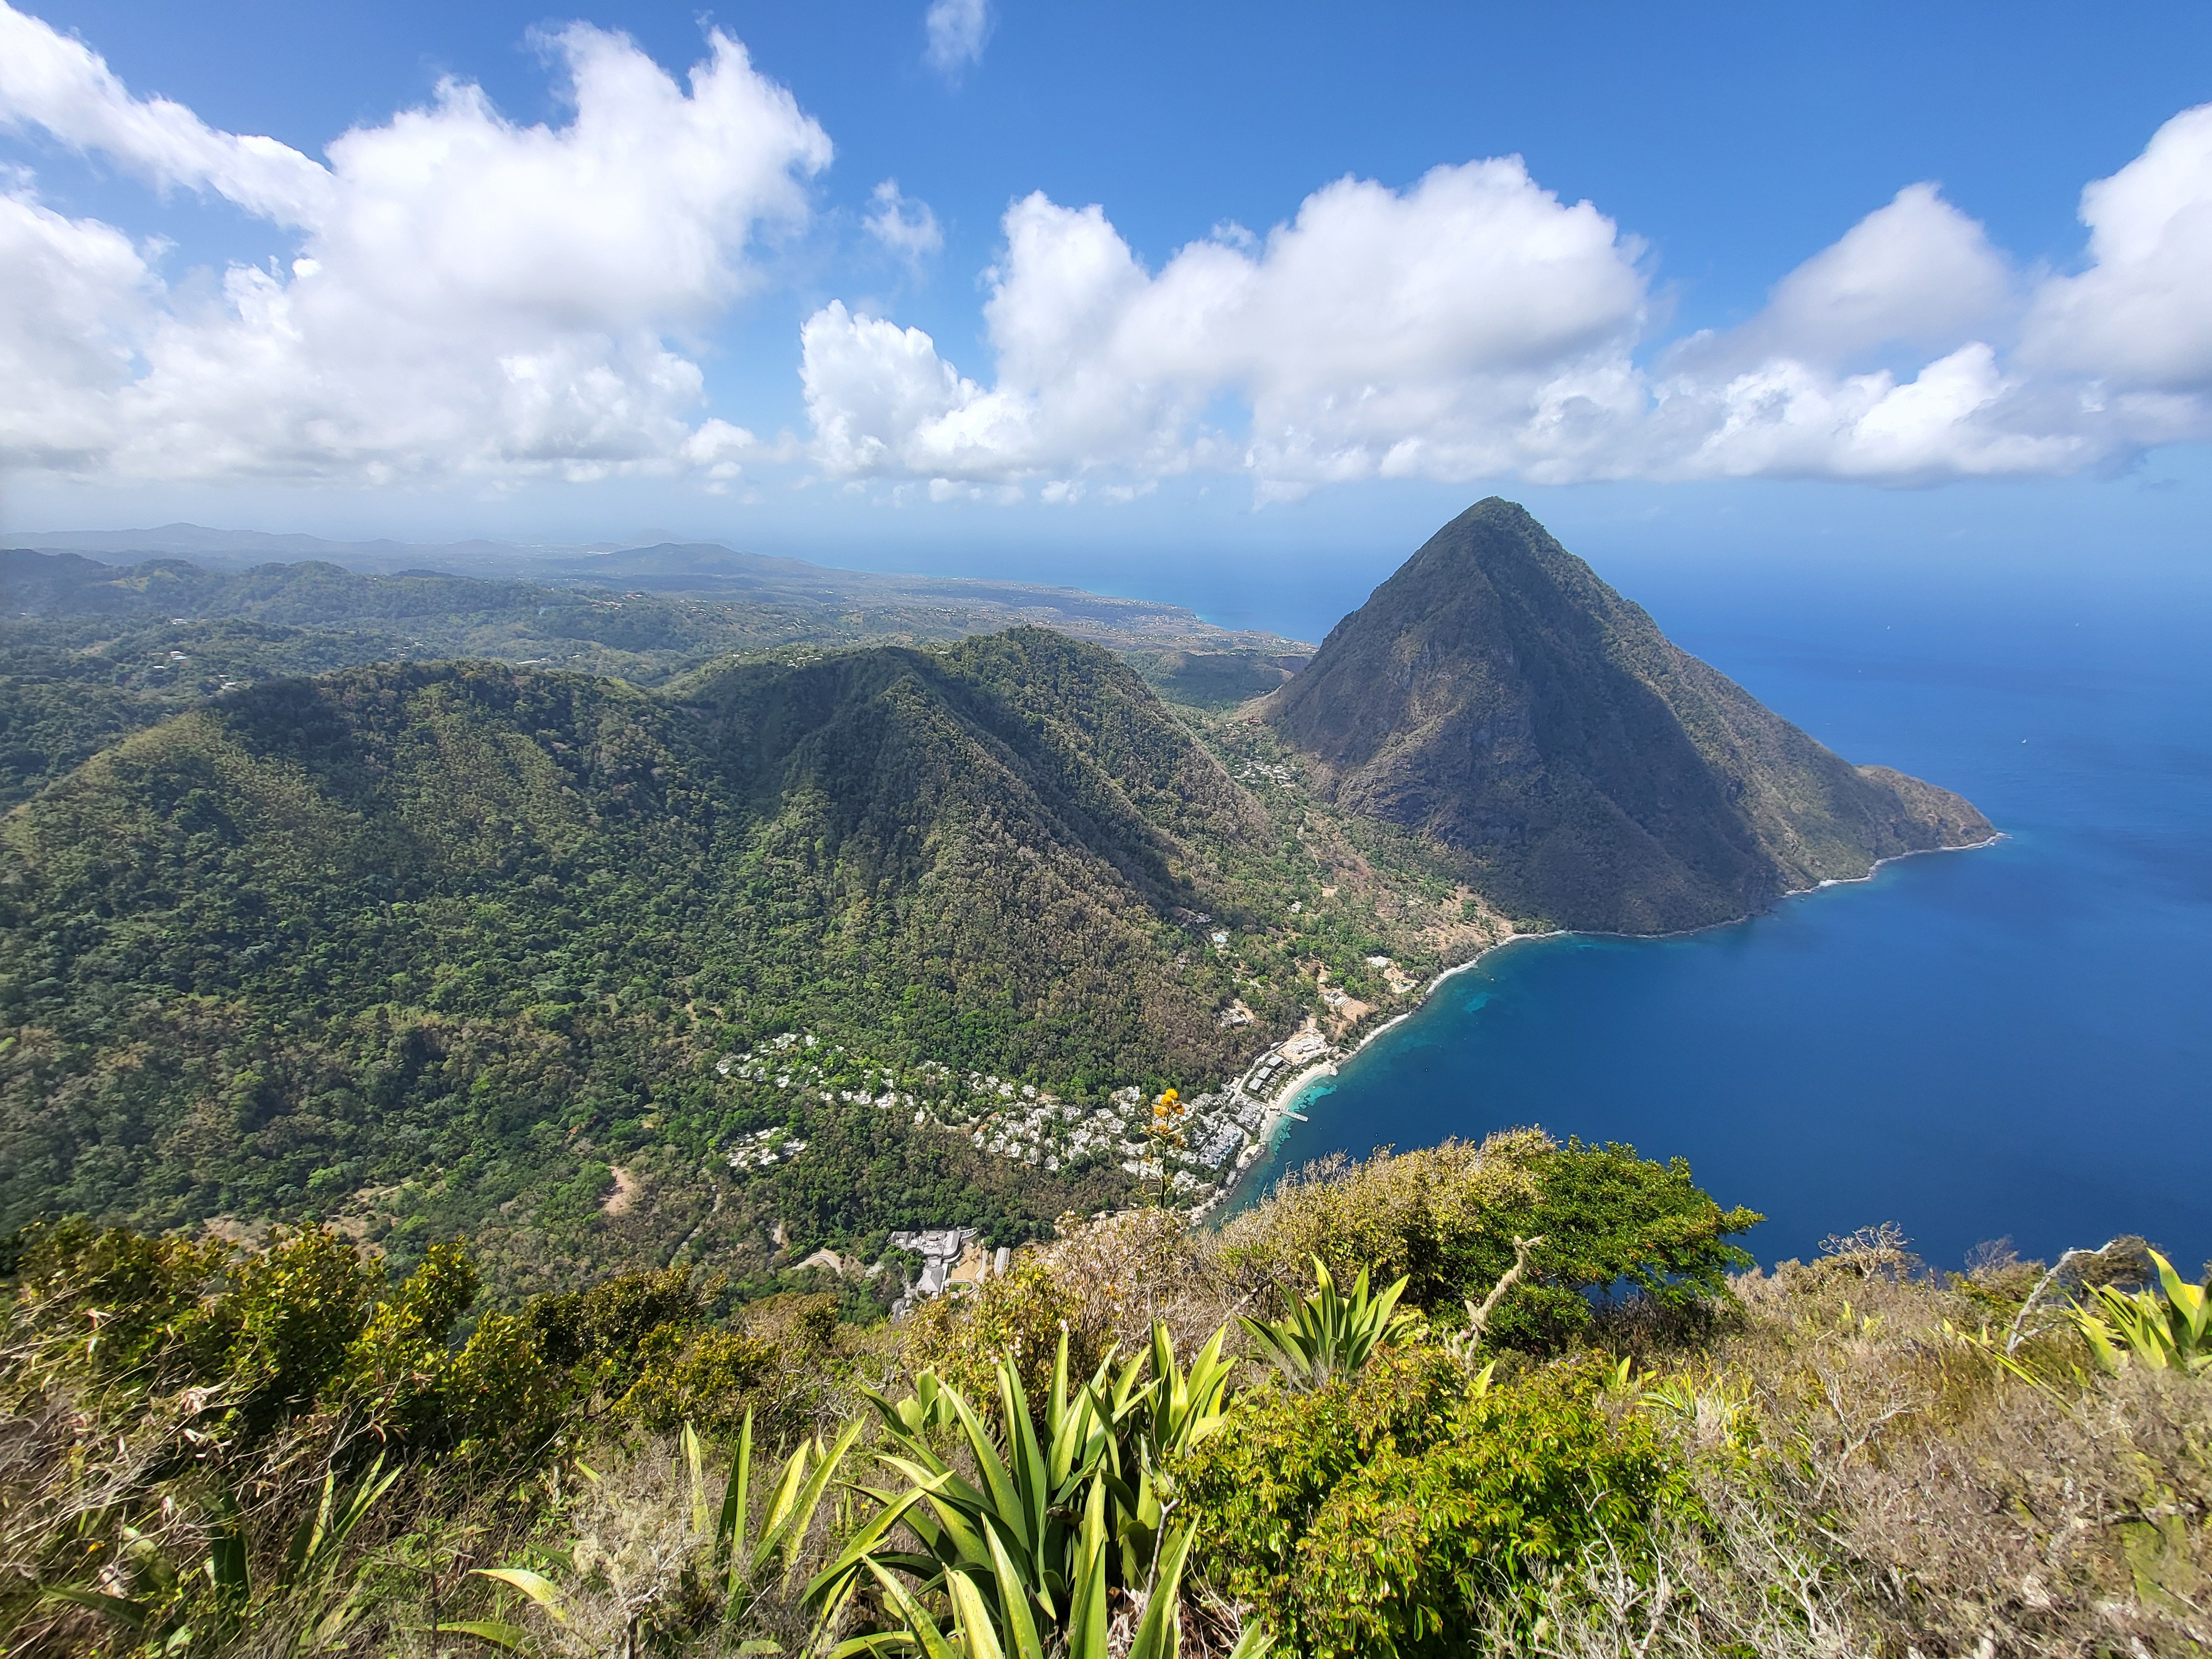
(1495, 696)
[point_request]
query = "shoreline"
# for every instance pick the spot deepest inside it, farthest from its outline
(1280, 1102)
(1873, 870)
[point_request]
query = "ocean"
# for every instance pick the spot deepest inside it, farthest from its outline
(2007, 1043)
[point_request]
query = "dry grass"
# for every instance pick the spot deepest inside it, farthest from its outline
(1897, 1492)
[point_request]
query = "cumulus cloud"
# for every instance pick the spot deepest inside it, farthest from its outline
(470, 296)
(1476, 326)
(1473, 322)
(78, 295)
(1800, 391)
(2141, 315)
(957, 31)
(55, 81)
(903, 225)
(1918, 272)
(1960, 416)
(2050, 377)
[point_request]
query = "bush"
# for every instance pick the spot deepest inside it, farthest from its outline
(1394, 1513)
(705, 1378)
(1446, 1218)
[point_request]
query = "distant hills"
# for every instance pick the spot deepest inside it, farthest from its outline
(436, 946)
(90, 650)
(1497, 698)
(246, 547)
(206, 573)
(935, 607)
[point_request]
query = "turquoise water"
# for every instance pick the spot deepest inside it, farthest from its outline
(2013, 1042)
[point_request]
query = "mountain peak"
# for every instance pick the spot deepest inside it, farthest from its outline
(1495, 696)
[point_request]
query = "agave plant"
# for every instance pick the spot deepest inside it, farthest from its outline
(996, 1615)
(2173, 1333)
(792, 1502)
(1329, 1334)
(1021, 1559)
(1159, 1412)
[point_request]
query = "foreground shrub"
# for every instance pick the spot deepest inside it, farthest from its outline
(179, 1415)
(1446, 1220)
(1394, 1512)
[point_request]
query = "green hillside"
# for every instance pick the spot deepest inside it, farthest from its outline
(1495, 696)
(442, 945)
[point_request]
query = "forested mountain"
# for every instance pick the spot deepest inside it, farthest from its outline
(1496, 697)
(807, 946)
(489, 930)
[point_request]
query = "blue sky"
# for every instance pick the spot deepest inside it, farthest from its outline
(1239, 283)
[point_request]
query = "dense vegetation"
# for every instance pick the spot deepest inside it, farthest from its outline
(1102, 1452)
(1214, 680)
(442, 948)
(1496, 697)
(69, 690)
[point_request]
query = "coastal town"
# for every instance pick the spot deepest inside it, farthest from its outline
(1191, 1155)
(1218, 1134)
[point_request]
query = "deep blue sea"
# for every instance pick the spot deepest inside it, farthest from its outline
(2010, 1043)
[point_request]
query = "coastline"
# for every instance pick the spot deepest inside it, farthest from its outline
(1279, 1103)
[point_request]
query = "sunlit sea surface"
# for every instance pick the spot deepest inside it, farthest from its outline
(2009, 1042)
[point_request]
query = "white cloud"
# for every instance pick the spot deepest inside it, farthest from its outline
(1786, 418)
(1473, 321)
(957, 32)
(2141, 315)
(1918, 272)
(1476, 327)
(471, 297)
(881, 401)
(2070, 373)
(77, 295)
(903, 225)
(55, 81)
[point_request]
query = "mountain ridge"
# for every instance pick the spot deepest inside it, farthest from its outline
(399, 927)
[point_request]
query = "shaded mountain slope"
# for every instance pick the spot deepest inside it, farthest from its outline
(1496, 696)
(986, 841)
